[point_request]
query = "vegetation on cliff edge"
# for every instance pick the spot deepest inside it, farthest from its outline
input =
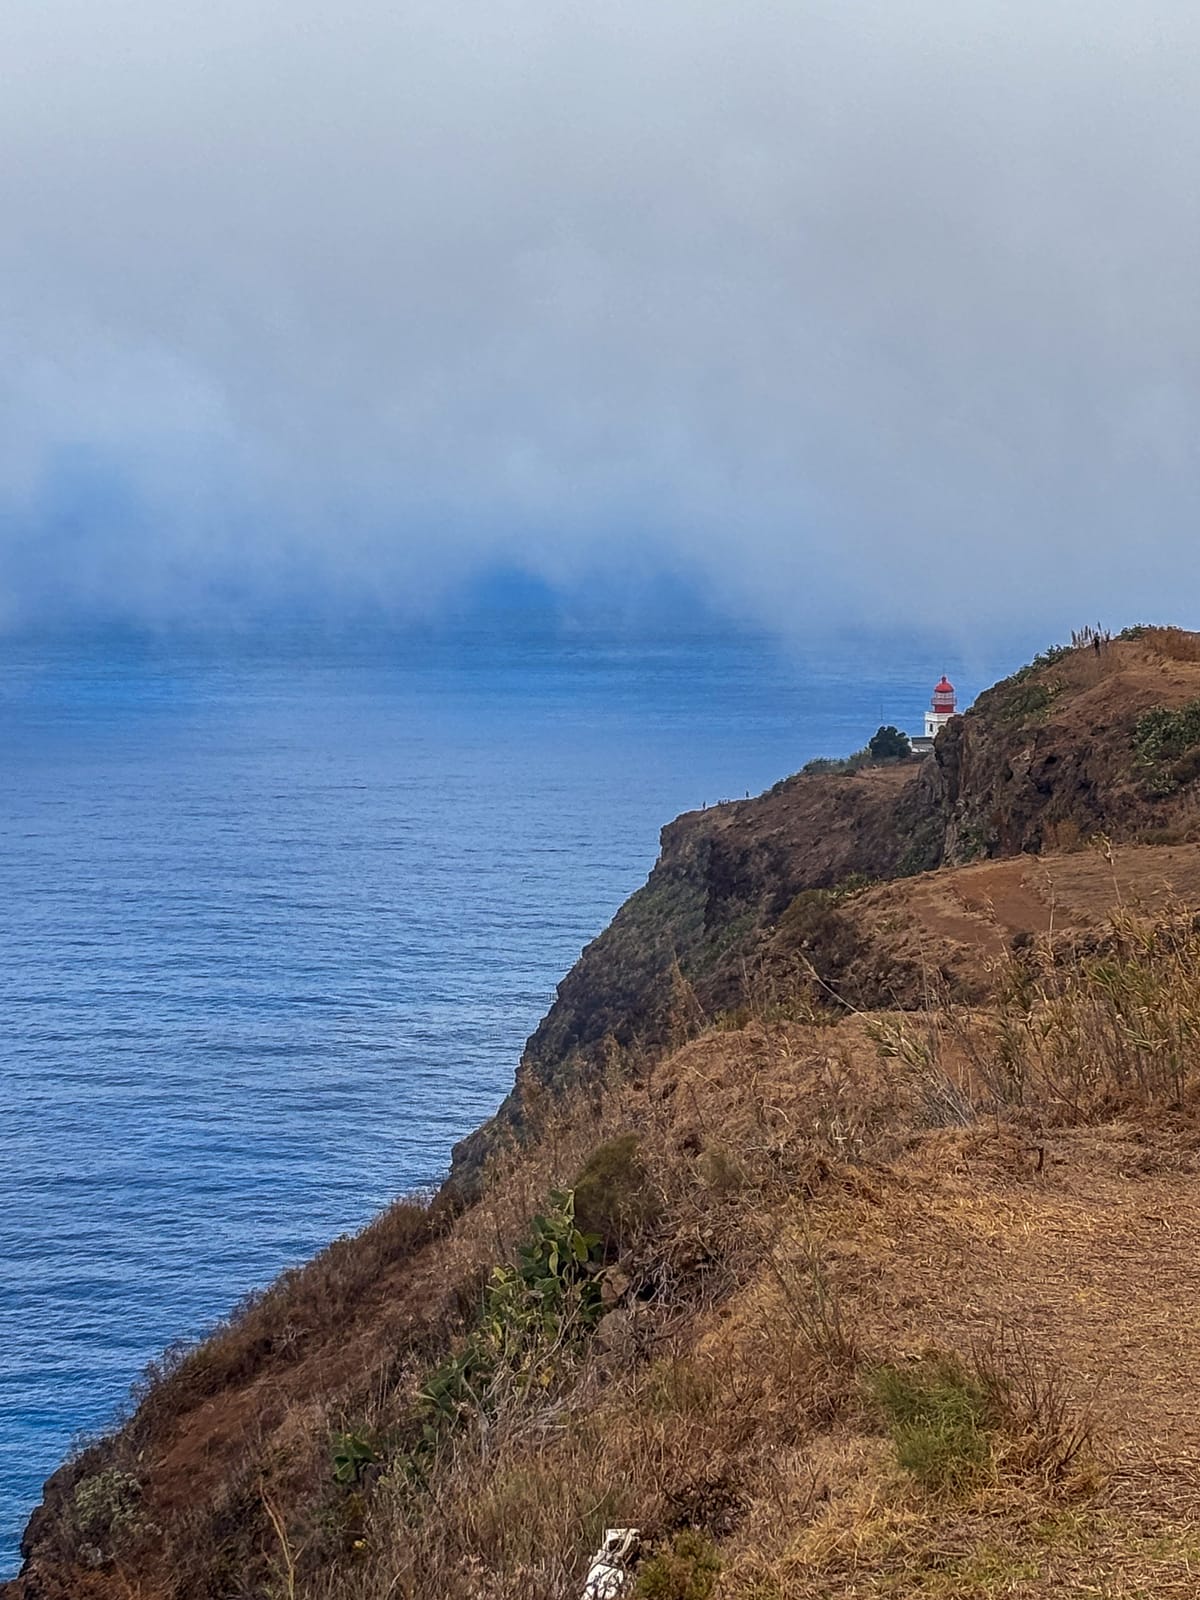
(826, 1201)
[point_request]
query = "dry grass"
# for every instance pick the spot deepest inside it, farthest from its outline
(298, 1308)
(1083, 1036)
(717, 1419)
(1176, 644)
(661, 1434)
(785, 1210)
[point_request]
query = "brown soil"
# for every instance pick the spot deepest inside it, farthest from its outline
(1081, 1239)
(1080, 1248)
(1084, 1239)
(958, 922)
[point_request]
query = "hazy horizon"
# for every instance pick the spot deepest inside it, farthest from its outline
(823, 315)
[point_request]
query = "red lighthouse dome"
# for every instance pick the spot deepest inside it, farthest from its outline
(943, 697)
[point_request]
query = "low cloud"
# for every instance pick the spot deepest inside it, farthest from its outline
(831, 310)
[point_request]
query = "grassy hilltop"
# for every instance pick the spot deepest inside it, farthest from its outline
(839, 1231)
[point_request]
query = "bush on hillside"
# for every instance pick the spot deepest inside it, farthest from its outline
(886, 744)
(687, 1570)
(614, 1196)
(1026, 701)
(107, 1515)
(838, 764)
(889, 744)
(1045, 658)
(532, 1314)
(1166, 744)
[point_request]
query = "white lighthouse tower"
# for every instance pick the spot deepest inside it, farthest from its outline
(941, 708)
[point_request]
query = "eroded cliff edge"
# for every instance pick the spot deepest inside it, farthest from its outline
(744, 1062)
(759, 898)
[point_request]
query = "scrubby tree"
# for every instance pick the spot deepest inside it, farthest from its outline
(889, 744)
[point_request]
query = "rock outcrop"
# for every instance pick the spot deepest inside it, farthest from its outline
(756, 896)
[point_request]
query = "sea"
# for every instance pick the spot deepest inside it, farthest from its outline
(280, 907)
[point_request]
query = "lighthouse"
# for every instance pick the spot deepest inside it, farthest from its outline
(941, 708)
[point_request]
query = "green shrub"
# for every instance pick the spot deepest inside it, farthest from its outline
(889, 744)
(1028, 700)
(838, 764)
(940, 1417)
(1166, 746)
(924, 852)
(1049, 657)
(353, 1453)
(687, 1570)
(614, 1195)
(550, 1298)
(972, 842)
(853, 883)
(107, 1514)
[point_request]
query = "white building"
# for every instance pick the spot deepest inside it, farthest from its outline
(941, 709)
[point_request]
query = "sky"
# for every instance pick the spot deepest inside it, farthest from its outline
(826, 310)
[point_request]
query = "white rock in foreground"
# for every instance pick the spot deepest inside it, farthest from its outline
(609, 1572)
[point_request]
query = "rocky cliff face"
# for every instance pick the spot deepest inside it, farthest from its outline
(1049, 757)
(252, 1462)
(686, 946)
(747, 897)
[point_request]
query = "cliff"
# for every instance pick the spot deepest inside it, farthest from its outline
(754, 901)
(853, 1151)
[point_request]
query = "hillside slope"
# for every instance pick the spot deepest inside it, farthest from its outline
(844, 1245)
(744, 895)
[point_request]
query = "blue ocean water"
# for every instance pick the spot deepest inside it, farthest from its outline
(278, 915)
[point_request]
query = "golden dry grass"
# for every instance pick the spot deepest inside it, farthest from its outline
(826, 1200)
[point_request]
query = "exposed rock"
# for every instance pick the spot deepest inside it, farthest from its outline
(609, 1573)
(750, 900)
